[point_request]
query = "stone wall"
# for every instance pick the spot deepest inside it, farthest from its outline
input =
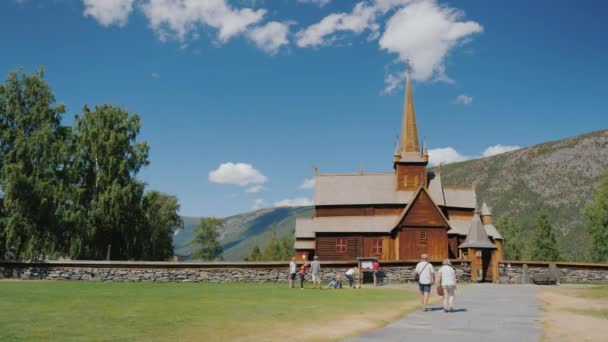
(253, 272)
(522, 272)
(514, 272)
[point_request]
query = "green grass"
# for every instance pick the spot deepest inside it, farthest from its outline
(599, 292)
(599, 313)
(90, 311)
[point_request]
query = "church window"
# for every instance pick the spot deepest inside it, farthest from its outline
(341, 245)
(377, 246)
(423, 237)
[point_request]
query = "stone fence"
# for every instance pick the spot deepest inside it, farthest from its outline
(513, 272)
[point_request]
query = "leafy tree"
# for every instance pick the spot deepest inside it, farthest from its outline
(255, 254)
(596, 220)
(209, 248)
(107, 159)
(32, 160)
(161, 219)
(543, 246)
(513, 243)
(274, 249)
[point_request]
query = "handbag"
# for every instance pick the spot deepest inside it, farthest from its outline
(440, 291)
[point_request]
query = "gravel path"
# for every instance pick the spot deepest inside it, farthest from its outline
(492, 312)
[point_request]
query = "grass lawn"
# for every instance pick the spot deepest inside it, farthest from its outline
(91, 311)
(575, 313)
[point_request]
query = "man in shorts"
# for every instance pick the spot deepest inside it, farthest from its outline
(426, 276)
(315, 267)
(292, 272)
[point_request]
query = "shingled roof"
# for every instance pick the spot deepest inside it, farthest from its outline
(477, 236)
(380, 188)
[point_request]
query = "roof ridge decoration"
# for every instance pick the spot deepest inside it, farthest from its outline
(410, 204)
(477, 236)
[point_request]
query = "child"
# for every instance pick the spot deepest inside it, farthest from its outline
(303, 274)
(335, 283)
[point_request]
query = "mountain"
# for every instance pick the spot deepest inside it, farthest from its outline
(557, 176)
(241, 232)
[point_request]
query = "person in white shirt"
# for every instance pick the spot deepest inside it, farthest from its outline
(293, 270)
(447, 280)
(426, 276)
(350, 275)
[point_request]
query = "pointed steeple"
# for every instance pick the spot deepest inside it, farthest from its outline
(409, 131)
(477, 236)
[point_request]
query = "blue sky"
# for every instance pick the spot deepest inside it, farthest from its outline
(273, 87)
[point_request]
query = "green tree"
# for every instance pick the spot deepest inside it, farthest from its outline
(107, 158)
(32, 164)
(161, 220)
(543, 246)
(255, 254)
(206, 239)
(513, 243)
(596, 220)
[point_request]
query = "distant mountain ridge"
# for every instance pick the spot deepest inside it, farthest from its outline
(243, 231)
(558, 176)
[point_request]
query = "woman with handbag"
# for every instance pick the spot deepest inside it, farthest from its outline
(447, 282)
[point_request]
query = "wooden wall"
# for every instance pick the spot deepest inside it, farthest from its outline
(412, 242)
(459, 213)
(356, 246)
(410, 176)
(424, 213)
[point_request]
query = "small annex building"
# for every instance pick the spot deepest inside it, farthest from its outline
(395, 215)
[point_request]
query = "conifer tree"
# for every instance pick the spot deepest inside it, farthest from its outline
(596, 221)
(543, 246)
(512, 238)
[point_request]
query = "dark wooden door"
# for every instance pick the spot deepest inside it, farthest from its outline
(486, 265)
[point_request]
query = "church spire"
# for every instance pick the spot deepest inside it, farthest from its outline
(409, 131)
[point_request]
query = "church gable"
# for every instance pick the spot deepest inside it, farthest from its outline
(422, 212)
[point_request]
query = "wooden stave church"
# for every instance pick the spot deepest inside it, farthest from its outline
(397, 215)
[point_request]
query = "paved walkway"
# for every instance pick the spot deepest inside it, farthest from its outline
(487, 311)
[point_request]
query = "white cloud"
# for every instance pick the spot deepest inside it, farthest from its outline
(178, 18)
(321, 33)
(108, 12)
(319, 3)
(419, 30)
(255, 188)
(464, 99)
(308, 183)
(498, 149)
(392, 82)
(294, 202)
(445, 155)
(236, 173)
(258, 204)
(270, 37)
(424, 33)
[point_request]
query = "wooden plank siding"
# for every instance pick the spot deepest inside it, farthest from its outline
(424, 213)
(410, 177)
(356, 246)
(326, 211)
(414, 241)
(459, 213)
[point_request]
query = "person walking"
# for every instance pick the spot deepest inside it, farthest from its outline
(350, 275)
(315, 267)
(425, 275)
(303, 274)
(447, 280)
(376, 268)
(293, 269)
